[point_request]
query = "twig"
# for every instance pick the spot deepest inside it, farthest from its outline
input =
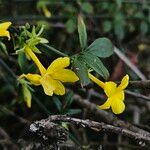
(108, 117)
(129, 64)
(97, 126)
(137, 95)
(140, 84)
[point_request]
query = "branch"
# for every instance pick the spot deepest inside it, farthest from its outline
(97, 126)
(137, 95)
(108, 117)
(140, 84)
(129, 64)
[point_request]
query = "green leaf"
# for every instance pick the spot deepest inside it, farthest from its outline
(81, 70)
(22, 60)
(27, 95)
(70, 26)
(119, 30)
(43, 40)
(87, 7)
(107, 26)
(36, 50)
(101, 47)
(96, 64)
(73, 111)
(69, 99)
(143, 27)
(57, 103)
(82, 32)
(3, 48)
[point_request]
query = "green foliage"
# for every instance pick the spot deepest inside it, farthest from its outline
(70, 26)
(87, 7)
(82, 32)
(3, 48)
(63, 107)
(96, 64)
(81, 70)
(101, 47)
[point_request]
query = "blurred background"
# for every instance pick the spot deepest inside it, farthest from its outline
(125, 22)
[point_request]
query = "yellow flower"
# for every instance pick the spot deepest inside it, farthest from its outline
(115, 94)
(3, 29)
(51, 78)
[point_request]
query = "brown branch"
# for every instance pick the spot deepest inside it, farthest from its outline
(137, 95)
(129, 63)
(108, 117)
(140, 84)
(97, 126)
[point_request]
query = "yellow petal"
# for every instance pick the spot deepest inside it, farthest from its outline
(49, 85)
(57, 64)
(106, 105)
(65, 75)
(60, 89)
(33, 78)
(30, 53)
(3, 29)
(118, 95)
(124, 83)
(117, 106)
(110, 88)
(5, 25)
(95, 80)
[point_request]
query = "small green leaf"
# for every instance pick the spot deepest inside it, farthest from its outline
(143, 27)
(81, 70)
(57, 103)
(43, 40)
(27, 95)
(70, 26)
(101, 47)
(107, 26)
(87, 7)
(96, 64)
(3, 48)
(36, 50)
(22, 60)
(82, 32)
(69, 98)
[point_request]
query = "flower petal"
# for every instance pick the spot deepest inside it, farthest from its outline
(33, 78)
(96, 80)
(58, 64)
(117, 106)
(30, 53)
(124, 83)
(49, 85)
(3, 29)
(65, 75)
(118, 95)
(110, 88)
(60, 89)
(106, 105)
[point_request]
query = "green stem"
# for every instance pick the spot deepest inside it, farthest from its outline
(53, 49)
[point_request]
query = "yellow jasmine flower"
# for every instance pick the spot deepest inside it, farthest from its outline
(3, 29)
(51, 78)
(114, 93)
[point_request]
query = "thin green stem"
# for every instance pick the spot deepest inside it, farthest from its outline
(54, 50)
